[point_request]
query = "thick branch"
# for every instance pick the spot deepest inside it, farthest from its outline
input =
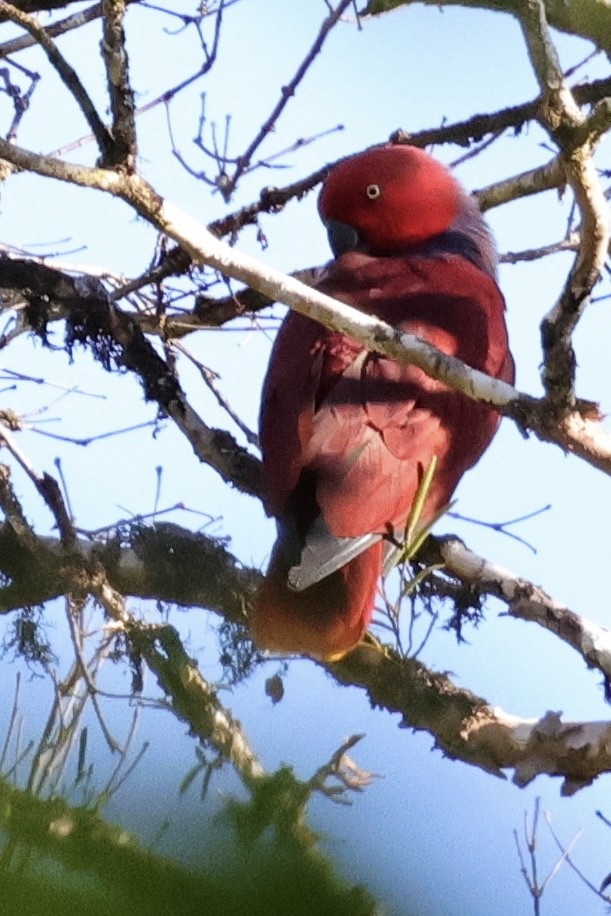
(169, 563)
(115, 339)
(577, 138)
(467, 728)
(576, 431)
(174, 565)
(534, 181)
(193, 699)
(119, 89)
(590, 19)
(524, 600)
(166, 563)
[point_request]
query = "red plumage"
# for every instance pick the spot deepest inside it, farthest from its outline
(347, 434)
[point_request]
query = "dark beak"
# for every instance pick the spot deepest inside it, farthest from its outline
(342, 237)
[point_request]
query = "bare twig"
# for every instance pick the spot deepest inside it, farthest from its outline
(531, 876)
(208, 378)
(75, 21)
(66, 73)
(347, 775)
(45, 484)
(287, 93)
(11, 724)
(169, 94)
(565, 856)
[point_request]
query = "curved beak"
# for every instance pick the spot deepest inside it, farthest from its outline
(342, 237)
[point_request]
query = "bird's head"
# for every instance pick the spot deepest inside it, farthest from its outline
(391, 198)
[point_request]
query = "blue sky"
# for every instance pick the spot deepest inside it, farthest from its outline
(431, 829)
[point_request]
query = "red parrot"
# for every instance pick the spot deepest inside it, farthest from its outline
(347, 434)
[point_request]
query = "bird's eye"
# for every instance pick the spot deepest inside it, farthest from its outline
(373, 191)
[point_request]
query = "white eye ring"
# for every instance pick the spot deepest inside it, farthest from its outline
(373, 191)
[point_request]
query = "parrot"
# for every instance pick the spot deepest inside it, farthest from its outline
(347, 434)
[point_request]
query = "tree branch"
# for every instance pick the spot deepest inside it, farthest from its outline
(74, 21)
(116, 340)
(46, 486)
(286, 94)
(577, 139)
(171, 564)
(65, 72)
(165, 563)
(578, 430)
(193, 699)
(121, 96)
(467, 728)
(590, 19)
(523, 600)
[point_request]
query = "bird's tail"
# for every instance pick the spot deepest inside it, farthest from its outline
(325, 620)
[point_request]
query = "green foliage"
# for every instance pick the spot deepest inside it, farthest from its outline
(65, 860)
(280, 855)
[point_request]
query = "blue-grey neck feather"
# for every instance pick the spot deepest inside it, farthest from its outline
(471, 224)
